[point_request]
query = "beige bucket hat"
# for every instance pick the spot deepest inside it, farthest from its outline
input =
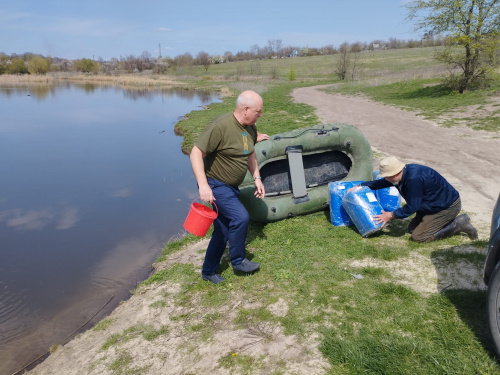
(390, 166)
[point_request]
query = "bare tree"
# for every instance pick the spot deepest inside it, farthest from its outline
(147, 61)
(228, 56)
(242, 56)
(395, 43)
(274, 46)
(204, 59)
(355, 56)
(183, 60)
(328, 50)
(127, 63)
(358, 47)
(254, 50)
(278, 46)
(343, 61)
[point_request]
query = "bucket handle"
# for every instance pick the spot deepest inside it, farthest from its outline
(216, 210)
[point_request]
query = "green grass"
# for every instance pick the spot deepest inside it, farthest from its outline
(103, 325)
(240, 364)
(123, 365)
(396, 331)
(148, 333)
(412, 62)
(369, 325)
(175, 245)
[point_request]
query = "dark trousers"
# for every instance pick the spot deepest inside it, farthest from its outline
(423, 227)
(231, 225)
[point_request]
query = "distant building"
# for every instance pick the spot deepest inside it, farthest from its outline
(294, 53)
(378, 46)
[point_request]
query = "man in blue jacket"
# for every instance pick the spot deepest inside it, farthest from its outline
(434, 201)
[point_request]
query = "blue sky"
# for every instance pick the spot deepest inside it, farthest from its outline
(108, 28)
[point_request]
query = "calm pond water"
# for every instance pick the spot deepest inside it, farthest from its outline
(93, 184)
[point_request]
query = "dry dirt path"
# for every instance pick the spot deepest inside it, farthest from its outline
(470, 160)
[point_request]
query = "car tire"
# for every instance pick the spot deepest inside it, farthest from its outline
(493, 307)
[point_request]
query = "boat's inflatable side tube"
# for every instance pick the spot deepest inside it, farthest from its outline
(278, 203)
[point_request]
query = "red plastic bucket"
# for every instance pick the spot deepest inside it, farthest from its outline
(199, 219)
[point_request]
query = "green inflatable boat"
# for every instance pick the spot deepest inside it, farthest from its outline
(297, 166)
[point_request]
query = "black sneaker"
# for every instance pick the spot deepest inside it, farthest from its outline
(246, 266)
(215, 278)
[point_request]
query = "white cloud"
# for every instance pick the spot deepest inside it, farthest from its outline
(68, 218)
(33, 219)
(38, 219)
(121, 192)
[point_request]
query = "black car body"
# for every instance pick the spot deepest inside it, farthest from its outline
(491, 276)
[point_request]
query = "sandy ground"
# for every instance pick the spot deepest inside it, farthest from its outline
(469, 160)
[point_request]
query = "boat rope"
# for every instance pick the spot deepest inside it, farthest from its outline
(66, 339)
(319, 131)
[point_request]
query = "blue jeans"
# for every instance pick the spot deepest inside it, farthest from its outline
(231, 225)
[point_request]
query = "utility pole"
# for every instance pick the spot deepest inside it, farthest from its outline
(159, 46)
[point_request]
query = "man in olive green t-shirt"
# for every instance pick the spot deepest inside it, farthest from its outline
(220, 159)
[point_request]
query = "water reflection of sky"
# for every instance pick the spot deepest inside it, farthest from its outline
(93, 184)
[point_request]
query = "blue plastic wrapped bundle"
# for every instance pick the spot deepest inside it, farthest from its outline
(338, 190)
(361, 205)
(389, 198)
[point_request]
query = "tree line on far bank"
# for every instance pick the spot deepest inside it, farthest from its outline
(30, 63)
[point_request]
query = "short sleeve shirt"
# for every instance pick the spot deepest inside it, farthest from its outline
(227, 146)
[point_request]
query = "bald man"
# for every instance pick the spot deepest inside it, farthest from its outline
(220, 159)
